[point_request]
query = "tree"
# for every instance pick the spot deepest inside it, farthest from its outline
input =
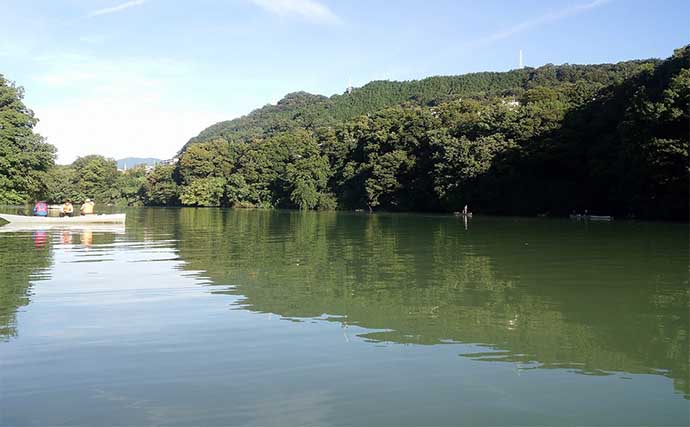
(24, 155)
(96, 178)
(60, 185)
(307, 181)
(609, 138)
(204, 192)
(209, 159)
(461, 163)
(160, 188)
(130, 184)
(238, 193)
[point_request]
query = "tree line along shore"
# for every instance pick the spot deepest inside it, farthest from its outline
(608, 138)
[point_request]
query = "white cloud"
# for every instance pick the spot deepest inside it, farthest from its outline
(115, 9)
(308, 9)
(129, 107)
(540, 20)
(128, 124)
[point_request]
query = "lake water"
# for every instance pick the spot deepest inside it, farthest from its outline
(222, 317)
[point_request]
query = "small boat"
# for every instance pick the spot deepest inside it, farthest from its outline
(592, 217)
(80, 219)
(601, 217)
(18, 227)
(466, 215)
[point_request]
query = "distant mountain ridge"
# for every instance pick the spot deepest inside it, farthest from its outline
(309, 111)
(130, 162)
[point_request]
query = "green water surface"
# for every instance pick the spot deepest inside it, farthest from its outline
(246, 317)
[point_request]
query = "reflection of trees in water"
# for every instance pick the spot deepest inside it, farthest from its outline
(425, 280)
(26, 257)
(23, 258)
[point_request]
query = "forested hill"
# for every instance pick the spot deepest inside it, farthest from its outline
(611, 139)
(304, 110)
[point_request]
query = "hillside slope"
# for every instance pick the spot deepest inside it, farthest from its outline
(608, 139)
(305, 110)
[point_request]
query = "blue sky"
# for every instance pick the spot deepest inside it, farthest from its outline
(140, 77)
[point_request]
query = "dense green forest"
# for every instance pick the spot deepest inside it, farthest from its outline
(609, 138)
(304, 110)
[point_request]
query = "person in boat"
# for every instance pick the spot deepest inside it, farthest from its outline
(41, 208)
(464, 210)
(87, 207)
(67, 209)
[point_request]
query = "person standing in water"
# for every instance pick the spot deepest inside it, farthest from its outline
(87, 207)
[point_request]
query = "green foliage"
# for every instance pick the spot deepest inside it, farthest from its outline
(610, 138)
(238, 192)
(160, 188)
(95, 177)
(307, 180)
(307, 111)
(629, 146)
(60, 185)
(285, 170)
(131, 186)
(210, 159)
(24, 156)
(203, 192)
(460, 162)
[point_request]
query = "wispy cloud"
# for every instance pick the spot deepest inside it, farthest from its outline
(540, 20)
(311, 10)
(115, 9)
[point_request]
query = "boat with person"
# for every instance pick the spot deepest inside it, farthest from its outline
(81, 219)
(592, 217)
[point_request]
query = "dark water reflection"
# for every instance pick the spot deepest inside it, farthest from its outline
(203, 316)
